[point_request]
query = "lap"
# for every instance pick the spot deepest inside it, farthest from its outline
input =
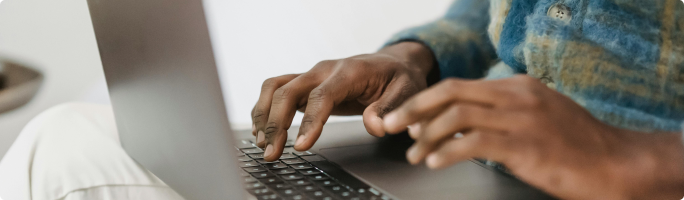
(72, 151)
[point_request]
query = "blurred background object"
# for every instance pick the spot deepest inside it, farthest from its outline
(253, 40)
(18, 85)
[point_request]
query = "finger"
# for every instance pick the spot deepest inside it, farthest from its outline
(479, 143)
(283, 108)
(263, 105)
(320, 104)
(457, 118)
(415, 130)
(396, 93)
(433, 100)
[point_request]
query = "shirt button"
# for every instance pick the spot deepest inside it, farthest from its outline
(560, 12)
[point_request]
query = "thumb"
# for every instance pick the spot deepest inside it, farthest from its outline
(395, 94)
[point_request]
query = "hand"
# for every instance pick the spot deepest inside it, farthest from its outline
(371, 85)
(543, 137)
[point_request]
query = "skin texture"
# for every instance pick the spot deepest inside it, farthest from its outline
(369, 84)
(542, 136)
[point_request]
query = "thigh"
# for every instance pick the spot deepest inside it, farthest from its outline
(77, 155)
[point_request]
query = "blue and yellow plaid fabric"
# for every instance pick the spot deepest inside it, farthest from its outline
(623, 60)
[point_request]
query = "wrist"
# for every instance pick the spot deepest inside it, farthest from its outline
(415, 54)
(650, 165)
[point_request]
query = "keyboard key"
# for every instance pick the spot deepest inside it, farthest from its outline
(243, 144)
(308, 188)
(336, 189)
(293, 161)
(316, 193)
(319, 195)
(256, 156)
(244, 159)
(297, 197)
(287, 156)
(244, 174)
(289, 143)
(284, 171)
(345, 195)
(326, 183)
(260, 175)
(262, 161)
(271, 180)
(301, 166)
(276, 165)
(249, 180)
(248, 164)
(252, 151)
(279, 186)
(289, 150)
(238, 154)
(291, 177)
(300, 182)
(254, 169)
(268, 197)
(260, 191)
(369, 193)
(287, 192)
(319, 177)
(303, 153)
(254, 186)
(309, 171)
(313, 158)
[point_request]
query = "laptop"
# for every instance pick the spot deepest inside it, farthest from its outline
(171, 116)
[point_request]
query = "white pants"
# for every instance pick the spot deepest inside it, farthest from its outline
(72, 151)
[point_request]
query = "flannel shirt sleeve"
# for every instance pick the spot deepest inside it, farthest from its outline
(458, 40)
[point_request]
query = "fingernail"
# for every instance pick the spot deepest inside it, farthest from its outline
(300, 141)
(260, 137)
(412, 154)
(254, 128)
(269, 150)
(414, 130)
(390, 119)
(432, 161)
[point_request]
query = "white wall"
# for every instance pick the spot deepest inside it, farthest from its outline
(254, 40)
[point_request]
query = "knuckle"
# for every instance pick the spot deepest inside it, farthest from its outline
(282, 93)
(461, 113)
(308, 119)
(271, 129)
(524, 123)
(355, 63)
(269, 83)
(258, 115)
(318, 94)
(532, 100)
(325, 64)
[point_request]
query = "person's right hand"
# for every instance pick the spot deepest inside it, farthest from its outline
(370, 84)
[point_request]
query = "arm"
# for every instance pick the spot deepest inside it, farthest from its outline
(459, 40)
(543, 137)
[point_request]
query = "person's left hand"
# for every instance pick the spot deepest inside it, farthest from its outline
(542, 136)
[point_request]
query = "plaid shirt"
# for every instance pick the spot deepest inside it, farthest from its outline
(623, 60)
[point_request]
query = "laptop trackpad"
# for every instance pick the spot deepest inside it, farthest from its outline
(384, 166)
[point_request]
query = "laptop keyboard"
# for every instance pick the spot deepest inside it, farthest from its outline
(298, 175)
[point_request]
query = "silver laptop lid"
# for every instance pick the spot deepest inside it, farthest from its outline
(165, 91)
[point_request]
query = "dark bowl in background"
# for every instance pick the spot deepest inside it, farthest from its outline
(18, 84)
